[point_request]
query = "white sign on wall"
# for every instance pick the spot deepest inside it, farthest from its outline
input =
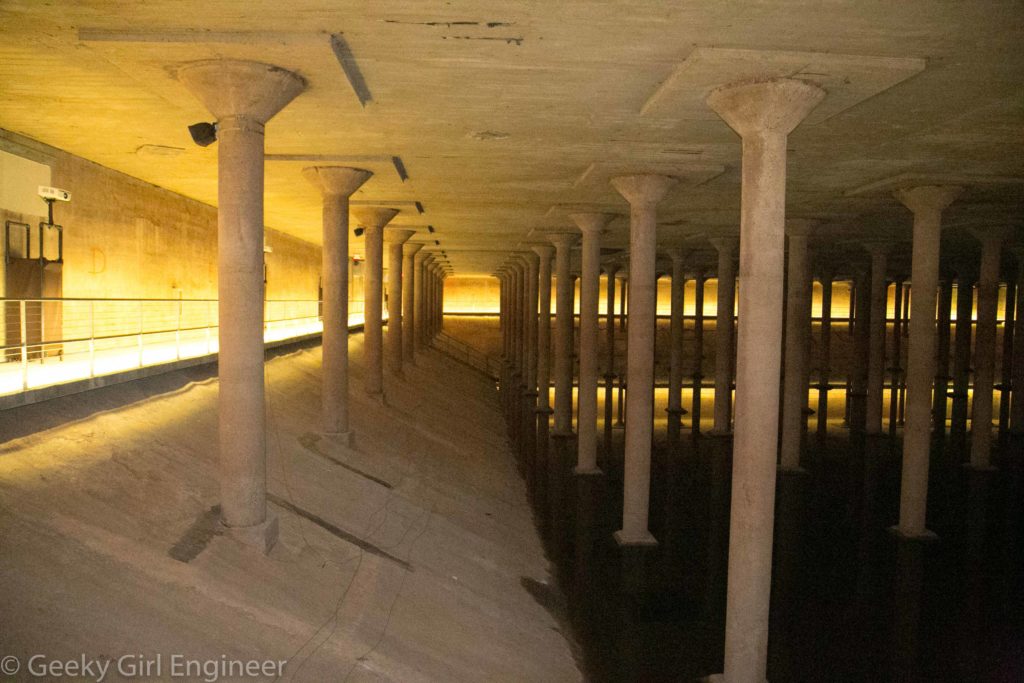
(20, 179)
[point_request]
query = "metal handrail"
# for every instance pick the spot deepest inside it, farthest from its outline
(467, 354)
(46, 341)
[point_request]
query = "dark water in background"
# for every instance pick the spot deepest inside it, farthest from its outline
(850, 602)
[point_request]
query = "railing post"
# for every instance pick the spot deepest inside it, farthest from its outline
(177, 332)
(92, 339)
(24, 346)
(141, 303)
(208, 318)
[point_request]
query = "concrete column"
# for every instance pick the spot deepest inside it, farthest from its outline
(1017, 371)
(396, 240)
(243, 96)
(698, 349)
(409, 301)
(623, 309)
(609, 375)
(724, 329)
(532, 271)
(643, 192)
(798, 334)
(985, 349)
(927, 204)
(675, 370)
(520, 268)
(763, 114)
(373, 221)
(962, 352)
(419, 260)
(941, 392)
(858, 383)
(876, 354)
(896, 381)
(592, 225)
(336, 184)
(545, 253)
(824, 371)
(564, 314)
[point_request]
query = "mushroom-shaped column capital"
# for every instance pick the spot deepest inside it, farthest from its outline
(676, 255)
(412, 248)
(994, 234)
(339, 181)
(591, 223)
(772, 106)
(801, 227)
(235, 88)
(725, 245)
(374, 217)
(643, 189)
(611, 268)
(420, 255)
(543, 251)
(563, 240)
(878, 248)
(395, 236)
(928, 198)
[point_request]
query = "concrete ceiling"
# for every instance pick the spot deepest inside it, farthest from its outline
(508, 116)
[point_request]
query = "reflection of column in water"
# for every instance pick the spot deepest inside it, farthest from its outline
(903, 380)
(1010, 317)
(619, 422)
(971, 619)
(907, 613)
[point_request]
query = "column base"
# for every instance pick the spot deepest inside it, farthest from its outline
(791, 471)
(925, 536)
(647, 540)
(346, 439)
(261, 537)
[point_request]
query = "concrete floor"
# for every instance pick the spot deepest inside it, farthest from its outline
(412, 556)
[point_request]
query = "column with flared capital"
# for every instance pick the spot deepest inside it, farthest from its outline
(396, 239)
(336, 184)
(1017, 361)
(644, 193)
(419, 259)
(927, 204)
(545, 254)
(530, 324)
(675, 371)
(592, 225)
(373, 221)
(609, 365)
(763, 114)
(564, 314)
(825, 353)
(724, 332)
(698, 350)
(798, 342)
(409, 252)
(243, 96)
(985, 348)
(876, 355)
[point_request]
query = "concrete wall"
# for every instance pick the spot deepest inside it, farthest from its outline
(124, 238)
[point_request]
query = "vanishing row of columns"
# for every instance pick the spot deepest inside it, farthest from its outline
(243, 96)
(763, 114)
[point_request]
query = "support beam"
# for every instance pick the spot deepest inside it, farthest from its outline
(373, 221)
(724, 333)
(763, 114)
(985, 348)
(592, 226)
(336, 185)
(409, 252)
(876, 355)
(643, 192)
(927, 204)
(798, 333)
(243, 96)
(564, 313)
